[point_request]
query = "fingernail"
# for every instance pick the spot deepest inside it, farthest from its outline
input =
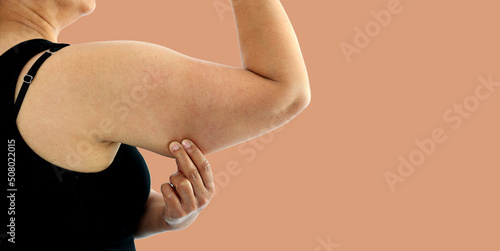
(174, 146)
(186, 143)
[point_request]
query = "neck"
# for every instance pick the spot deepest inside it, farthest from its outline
(21, 23)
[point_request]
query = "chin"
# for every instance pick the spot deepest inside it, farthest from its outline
(88, 7)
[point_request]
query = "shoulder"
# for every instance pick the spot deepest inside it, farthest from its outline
(71, 95)
(115, 53)
(116, 66)
(85, 94)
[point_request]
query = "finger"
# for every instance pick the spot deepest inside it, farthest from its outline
(172, 201)
(187, 168)
(201, 163)
(185, 191)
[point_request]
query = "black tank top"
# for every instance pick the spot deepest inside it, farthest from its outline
(46, 207)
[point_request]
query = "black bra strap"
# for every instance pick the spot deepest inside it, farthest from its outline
(28, 78)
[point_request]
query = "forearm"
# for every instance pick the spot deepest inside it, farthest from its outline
(152, 222)
(268, 44)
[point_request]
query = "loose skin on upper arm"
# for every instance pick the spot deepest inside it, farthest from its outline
(146, 95)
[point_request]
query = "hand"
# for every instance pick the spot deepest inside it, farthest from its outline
(190, 188)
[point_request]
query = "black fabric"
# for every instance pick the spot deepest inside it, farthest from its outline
(28, 78)
(58, 209)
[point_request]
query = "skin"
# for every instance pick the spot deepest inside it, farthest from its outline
(180, 202)
(103, 94)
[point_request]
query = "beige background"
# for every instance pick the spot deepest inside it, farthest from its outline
(318, 183)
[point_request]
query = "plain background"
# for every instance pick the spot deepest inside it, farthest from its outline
(318, 183)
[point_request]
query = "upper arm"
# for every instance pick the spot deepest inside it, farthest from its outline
(147, 96)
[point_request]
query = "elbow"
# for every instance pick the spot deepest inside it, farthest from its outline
(299, 100)
(305, 97)
(302, 100)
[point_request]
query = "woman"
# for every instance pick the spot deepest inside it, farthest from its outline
(76, 113)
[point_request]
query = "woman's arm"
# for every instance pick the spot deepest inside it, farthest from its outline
(146, 95)
(269, 46)
(181, 201)
(152, 221)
